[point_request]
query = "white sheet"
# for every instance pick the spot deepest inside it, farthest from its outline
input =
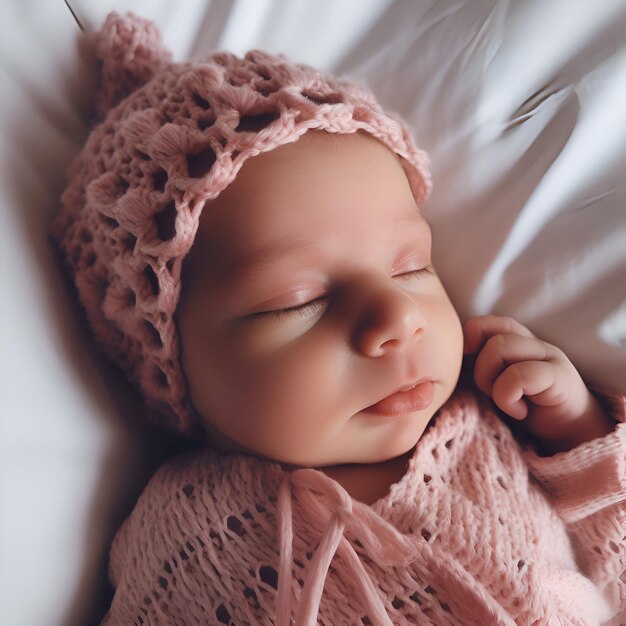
(520, 105)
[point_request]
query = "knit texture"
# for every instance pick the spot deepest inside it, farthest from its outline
(480, 530)
(175, 139)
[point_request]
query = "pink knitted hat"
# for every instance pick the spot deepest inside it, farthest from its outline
(172, 137)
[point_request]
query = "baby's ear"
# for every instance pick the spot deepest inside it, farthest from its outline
(129, 51)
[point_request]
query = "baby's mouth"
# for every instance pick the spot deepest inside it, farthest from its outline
(407, 400)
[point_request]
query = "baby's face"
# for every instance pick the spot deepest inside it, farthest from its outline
(309, 298)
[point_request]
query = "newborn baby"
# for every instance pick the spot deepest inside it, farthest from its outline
(247, 239)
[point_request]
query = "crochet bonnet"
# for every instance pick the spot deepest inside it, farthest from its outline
(170, 137)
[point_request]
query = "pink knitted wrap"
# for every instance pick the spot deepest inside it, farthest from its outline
(176, 137)
(480, 530)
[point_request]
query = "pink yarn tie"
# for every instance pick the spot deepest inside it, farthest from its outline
(379, 539)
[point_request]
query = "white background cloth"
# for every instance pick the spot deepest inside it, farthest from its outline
(521, 106)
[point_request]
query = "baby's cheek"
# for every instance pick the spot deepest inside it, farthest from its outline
(449, 337)
(305, 379)
(262, 335)
(289, 406)
(455, 334)
(306, 369)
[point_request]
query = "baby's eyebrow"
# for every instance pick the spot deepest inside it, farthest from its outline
(283, 249)
(413, 227)
(412, 217)
(267, 254)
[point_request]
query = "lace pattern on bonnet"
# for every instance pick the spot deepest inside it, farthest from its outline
(172, 136)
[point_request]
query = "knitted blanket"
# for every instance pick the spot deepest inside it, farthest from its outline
(480, 530)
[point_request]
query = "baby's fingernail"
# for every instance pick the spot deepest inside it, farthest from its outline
(519, 410)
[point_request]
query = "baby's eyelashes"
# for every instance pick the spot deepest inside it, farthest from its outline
(305, 310)
(417, 273)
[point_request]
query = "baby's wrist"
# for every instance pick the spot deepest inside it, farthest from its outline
(595, 423)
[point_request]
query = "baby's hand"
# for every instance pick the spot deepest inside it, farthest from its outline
(533, 381)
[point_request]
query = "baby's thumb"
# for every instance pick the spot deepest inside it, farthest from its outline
(129, 51)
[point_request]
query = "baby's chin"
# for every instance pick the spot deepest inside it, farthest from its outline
(385, 448)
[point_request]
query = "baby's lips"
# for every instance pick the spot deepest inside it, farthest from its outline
(418, 398)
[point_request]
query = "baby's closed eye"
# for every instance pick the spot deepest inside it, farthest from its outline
(316, 306)
(305, 310)
(416, 273)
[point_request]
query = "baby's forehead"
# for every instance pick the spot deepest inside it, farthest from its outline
(299, 188)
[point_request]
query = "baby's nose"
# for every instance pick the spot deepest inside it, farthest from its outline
(391, 320)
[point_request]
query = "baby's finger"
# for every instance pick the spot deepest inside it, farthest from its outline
(501, 351)
(477, 330)
(528, 378)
